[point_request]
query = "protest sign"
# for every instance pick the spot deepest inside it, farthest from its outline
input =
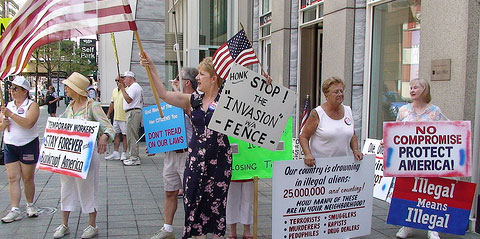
(427, 149)
(67, 146)
(298, 153)
(382, 185)
(332, 199)
(436, 204)
(252, 110)
(250, 160)
(167, 133)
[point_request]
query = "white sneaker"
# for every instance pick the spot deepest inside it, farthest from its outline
(123, 156)
(131, 162)
(433, 235)
(113, 156)
(163, 234)
(90, 232)
(61, 231)
(13, 215)
(32, 211)
(405, 232)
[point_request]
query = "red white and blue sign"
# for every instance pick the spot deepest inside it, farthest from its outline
(68, 146)
(167, 133)
(427, 149)
(435, 204)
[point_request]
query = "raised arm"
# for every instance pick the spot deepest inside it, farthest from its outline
(171, 97)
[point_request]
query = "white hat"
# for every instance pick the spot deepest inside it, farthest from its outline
(22, 82)
(129, 74)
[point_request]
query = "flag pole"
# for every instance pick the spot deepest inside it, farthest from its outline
(255, 207)
(256, 55)
(176, 47)
(147, 68)
(115, 53)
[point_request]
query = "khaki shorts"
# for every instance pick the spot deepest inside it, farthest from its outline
(173, 168)
(120, 127)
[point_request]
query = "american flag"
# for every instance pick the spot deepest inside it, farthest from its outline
(39, 22)
(238, 49)
(306, 111)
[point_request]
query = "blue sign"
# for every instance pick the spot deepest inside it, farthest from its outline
(167, 133)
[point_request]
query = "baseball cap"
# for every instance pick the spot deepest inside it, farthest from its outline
(22, 82)
(129, 74)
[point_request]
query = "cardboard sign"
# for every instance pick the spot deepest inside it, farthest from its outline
(167, 133)
(436, 204)
(251, 110)
(330, 200)
(251, 160)
(67, 146)
(382, 185)
(427, 149)
(3, 24)
(298, 153)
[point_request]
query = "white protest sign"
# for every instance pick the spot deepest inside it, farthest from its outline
(382, 185)
(251, 110)
(297, 153)
(330, 200)
(67, 146)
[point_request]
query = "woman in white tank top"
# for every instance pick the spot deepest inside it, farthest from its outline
(329, 130)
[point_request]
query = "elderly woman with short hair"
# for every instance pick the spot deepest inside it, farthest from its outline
(329, 130)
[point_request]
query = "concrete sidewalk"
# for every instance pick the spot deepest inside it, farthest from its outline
(131, 204)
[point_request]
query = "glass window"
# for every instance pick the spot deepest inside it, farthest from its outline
(265, 6)
(213, 22)
(395, 60)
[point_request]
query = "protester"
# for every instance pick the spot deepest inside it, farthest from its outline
(119, 124)
(132, 104)
(419, 110)
(240, 207)
(174, 163)
(329, 130)
(91, 91)
(52, 99)
(74, 190)
(19, 124)
(209, 166)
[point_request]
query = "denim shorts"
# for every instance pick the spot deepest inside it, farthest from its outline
(27, 154)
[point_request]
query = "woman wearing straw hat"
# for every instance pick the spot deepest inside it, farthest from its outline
(76, 189)
(19, 118)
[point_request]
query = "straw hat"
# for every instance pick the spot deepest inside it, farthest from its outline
(78, 83)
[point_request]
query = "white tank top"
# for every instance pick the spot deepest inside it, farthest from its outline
(18, 135)
(332, 137)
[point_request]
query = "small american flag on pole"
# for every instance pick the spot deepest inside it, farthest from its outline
(39, 22)
(238, 49)
(305, 114)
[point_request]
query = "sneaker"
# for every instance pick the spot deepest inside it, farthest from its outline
(32, 211)
(113, 156)
(163, 234)
(90, 232)
(131, 162)
(123, 156)
(13, 215)
(405, 232)
(61, 231)
(433, 235)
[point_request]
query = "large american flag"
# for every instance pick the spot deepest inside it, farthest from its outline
(238, 49)
(39, 22)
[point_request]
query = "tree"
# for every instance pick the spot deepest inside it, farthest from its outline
(62, 58)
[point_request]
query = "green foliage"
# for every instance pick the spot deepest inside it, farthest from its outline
(63, 58)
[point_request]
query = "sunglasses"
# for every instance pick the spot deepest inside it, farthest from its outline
(15, 89)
